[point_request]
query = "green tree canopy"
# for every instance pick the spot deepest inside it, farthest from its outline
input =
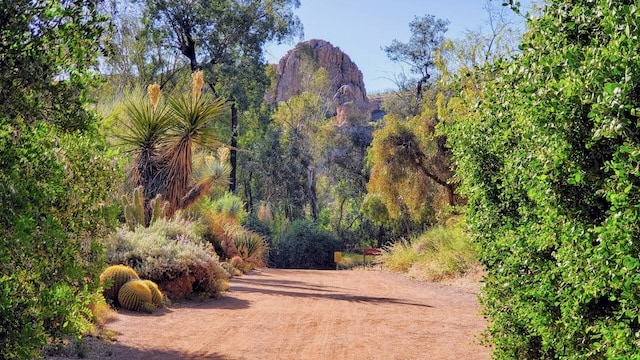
(47, 51)
(225, 39)
(419, 53)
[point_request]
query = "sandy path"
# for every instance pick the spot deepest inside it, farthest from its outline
(301, 314)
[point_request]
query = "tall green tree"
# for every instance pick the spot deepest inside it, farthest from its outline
(55, 169)
(134, 55)
(419, 53)
(549, 161)
(225, 39)
(42, 76)
(290, 175)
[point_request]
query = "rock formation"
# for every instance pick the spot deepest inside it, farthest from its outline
(349, 97)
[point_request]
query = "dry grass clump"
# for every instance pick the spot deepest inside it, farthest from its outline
(442, 252)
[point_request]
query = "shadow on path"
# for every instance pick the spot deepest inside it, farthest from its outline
(334, 296)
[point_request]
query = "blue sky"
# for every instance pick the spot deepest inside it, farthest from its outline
(361, 27)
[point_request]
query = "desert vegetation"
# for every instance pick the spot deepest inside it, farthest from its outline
(151, 164)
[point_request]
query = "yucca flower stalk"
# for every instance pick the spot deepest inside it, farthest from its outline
(264, 213)
(153, 91)
(197, 79)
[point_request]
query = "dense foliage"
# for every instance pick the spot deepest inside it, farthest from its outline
(550, 163)
(305, 246)
(56, 173)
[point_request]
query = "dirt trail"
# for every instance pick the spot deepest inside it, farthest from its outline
(302, 314)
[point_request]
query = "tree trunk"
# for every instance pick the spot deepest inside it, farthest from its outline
(449, 188)
(312, 193)
(233, 154)
(248, 193)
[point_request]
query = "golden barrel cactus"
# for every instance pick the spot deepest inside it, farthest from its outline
(118, 276)
(156, 294)
(136, 296)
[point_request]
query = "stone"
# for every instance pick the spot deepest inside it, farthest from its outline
(349, 96)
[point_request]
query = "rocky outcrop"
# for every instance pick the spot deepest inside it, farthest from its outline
(375, 107)
(347, 90)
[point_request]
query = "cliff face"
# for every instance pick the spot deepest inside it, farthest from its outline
(349, 94)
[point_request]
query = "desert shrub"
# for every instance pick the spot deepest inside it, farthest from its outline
(550, 162)
(231, 270)
(400, 256)
(222, 219)
(170, 250)
(258, 226)
(238, 263)
(252, 247)
(305, 246)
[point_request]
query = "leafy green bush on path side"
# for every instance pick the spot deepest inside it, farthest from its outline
(56, 173)
(550, 164)
(50, 218)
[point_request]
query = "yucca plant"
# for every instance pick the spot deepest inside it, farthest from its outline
(193, 116)
(251, 246)
(208, 172)
(230, 206)
(146, 131)
(163, 139)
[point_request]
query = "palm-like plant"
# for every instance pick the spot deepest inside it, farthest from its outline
(146, 134)
(209, 172)
(163, 138)
(192, 118)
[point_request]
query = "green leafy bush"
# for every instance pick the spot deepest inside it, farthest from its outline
(170, 250)
(50, 216)
(55, 173)
(550, 162)
(254, 224)
(305, 246)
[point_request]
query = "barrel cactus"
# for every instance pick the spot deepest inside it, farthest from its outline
(136, 296)
(119, 275)
(156, 294)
